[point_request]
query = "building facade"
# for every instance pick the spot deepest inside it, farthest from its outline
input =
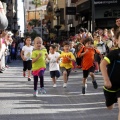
(93, 14)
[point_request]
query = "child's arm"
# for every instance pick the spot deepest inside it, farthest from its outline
(58, 59)
(98, 52)
(103, 67)
(35, 59)
(22, 55)
(72, 58)
(82, 54)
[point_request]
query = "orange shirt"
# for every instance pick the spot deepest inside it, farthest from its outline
(88, 58)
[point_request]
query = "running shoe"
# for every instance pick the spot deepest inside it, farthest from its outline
(29, 79)
(35, 94)
(42, 91)
(65, 85)
(83, 90)
(54, 85)
(95, 84)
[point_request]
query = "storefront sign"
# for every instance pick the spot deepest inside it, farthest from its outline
(101, 2)
(83, 6)
(70, 10)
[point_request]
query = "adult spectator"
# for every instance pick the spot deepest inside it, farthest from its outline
(3, 18)
(117, 25)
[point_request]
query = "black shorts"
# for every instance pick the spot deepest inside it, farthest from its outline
(27, 65)
(55, 73)
(67, 70)
(111, 97)
(86, 72)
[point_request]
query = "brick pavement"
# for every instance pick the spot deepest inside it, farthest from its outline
(17, 101)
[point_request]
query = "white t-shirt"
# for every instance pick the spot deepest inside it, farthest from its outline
(53, 65)
(27, 52)
(101, 47)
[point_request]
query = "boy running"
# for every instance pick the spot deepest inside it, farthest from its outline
(66, 62)
(87, 53)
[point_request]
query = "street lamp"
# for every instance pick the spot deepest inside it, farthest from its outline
(49, 26)
(15, 25)
(41, 18)
(58, 26)
(93, 15)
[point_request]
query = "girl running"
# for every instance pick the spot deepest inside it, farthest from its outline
(26, 54)
(38, 64)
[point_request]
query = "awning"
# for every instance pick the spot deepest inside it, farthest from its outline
(39, 8)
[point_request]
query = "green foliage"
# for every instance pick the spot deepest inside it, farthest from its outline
(37, 2)
(34, 22)
(32, 34)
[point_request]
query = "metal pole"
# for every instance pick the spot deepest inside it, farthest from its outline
(41, 27)
(93, 16)
(41, 21)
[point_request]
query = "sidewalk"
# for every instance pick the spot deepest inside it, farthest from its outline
(18, 103)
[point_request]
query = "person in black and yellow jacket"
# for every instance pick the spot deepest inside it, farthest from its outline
(110, 68)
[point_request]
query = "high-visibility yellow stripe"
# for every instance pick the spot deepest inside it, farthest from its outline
(107, 59)
(110, 90)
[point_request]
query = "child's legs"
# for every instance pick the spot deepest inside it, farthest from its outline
(68, 73)
(92, 76)
(91, 70)
(35, 82)
(64, 73)
(29, 67)
(85, 75)
(52, 74)
(110, 98)
(24, 66)
(65, 76)
(41, 81)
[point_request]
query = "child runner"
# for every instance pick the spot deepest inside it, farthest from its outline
(38, 64)
(110, 68)
(87, 54)
(26, 54)
(53, 64)
(66, 62)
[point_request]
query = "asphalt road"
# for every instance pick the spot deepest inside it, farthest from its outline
(17, 101)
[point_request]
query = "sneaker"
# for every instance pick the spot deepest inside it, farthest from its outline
(42, 91)
(95, 84)
(29, 79)
(96, 71)
(35, 94)
(54, 85)
(1, 72)
(24, 74)
(83, 90)
(7, 66)
(85, 85)
(65, 85)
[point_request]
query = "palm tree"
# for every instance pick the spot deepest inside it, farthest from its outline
(37, 3)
